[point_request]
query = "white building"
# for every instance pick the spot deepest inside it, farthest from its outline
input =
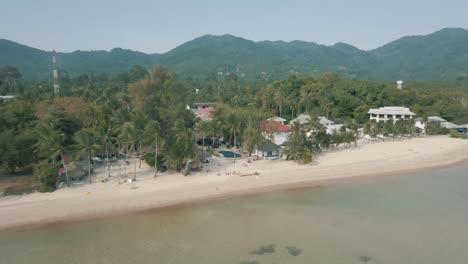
(390, 113)
(275, 131)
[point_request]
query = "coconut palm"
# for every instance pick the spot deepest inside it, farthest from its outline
(87, 143)
(153, 137)
(297, 142)
(252, 135)
(51, 144)
(129, 138)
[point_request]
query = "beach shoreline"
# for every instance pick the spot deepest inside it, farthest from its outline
(103, 200)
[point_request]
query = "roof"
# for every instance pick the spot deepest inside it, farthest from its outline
(325, 121)
(268, 146)
(436, 119)
(302, 119)
(277, 119)
(450, 125)
(7, 96)
(391, 110)
(205, 113)
(274, 127)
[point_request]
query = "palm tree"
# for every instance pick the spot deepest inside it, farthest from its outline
(297, 142)
(181, 146)
(233, 124)
(139, 124)
(107, 135)
(87, 145)
(129, 137)
(153, 135)
(203, 128)
(51, 144)
(314, 126)
(252, 135)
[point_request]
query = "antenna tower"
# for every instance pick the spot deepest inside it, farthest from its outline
(56, 84)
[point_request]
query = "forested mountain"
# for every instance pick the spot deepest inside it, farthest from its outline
(438, 56)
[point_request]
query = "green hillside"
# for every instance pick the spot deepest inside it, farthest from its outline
(438, 56)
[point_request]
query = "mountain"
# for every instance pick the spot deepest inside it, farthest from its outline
(440, 55)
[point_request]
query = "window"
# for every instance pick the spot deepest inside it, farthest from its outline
(381, 116)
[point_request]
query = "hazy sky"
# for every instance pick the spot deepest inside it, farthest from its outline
(158, 26)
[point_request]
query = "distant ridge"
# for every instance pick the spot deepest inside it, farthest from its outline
(437, 56)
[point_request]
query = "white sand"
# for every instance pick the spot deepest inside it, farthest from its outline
(101, 199)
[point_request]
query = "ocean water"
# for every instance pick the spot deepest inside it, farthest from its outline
(421, 218)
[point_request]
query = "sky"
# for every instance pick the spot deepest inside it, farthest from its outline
(159, 26)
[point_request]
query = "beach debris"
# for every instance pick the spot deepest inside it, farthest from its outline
(294, 251)
(364, 258)
(134, 187)
(264, 249)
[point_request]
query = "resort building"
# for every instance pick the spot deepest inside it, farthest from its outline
(393, 113)
(275, 131)
(268, 150)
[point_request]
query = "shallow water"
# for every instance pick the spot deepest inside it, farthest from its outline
(402, 219)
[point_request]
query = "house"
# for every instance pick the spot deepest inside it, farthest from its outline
(268, 150)
(390, 113)
(419, 122)
(205, 114)
(199, 106)
(278, 119)
(276, 132)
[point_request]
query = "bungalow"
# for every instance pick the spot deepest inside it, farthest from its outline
(268, 150)
(390, 113)
(419, 122)
(276, 132)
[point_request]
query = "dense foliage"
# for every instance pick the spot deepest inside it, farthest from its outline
(140, 112)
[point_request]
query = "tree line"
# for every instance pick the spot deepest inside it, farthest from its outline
(144, 112)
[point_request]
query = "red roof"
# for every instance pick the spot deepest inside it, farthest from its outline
(208, 112)
(274, 127)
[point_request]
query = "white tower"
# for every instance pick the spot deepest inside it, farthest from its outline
(399, 83)
(56, 84)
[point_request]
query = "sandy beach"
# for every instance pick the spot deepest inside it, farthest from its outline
(222, 179)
